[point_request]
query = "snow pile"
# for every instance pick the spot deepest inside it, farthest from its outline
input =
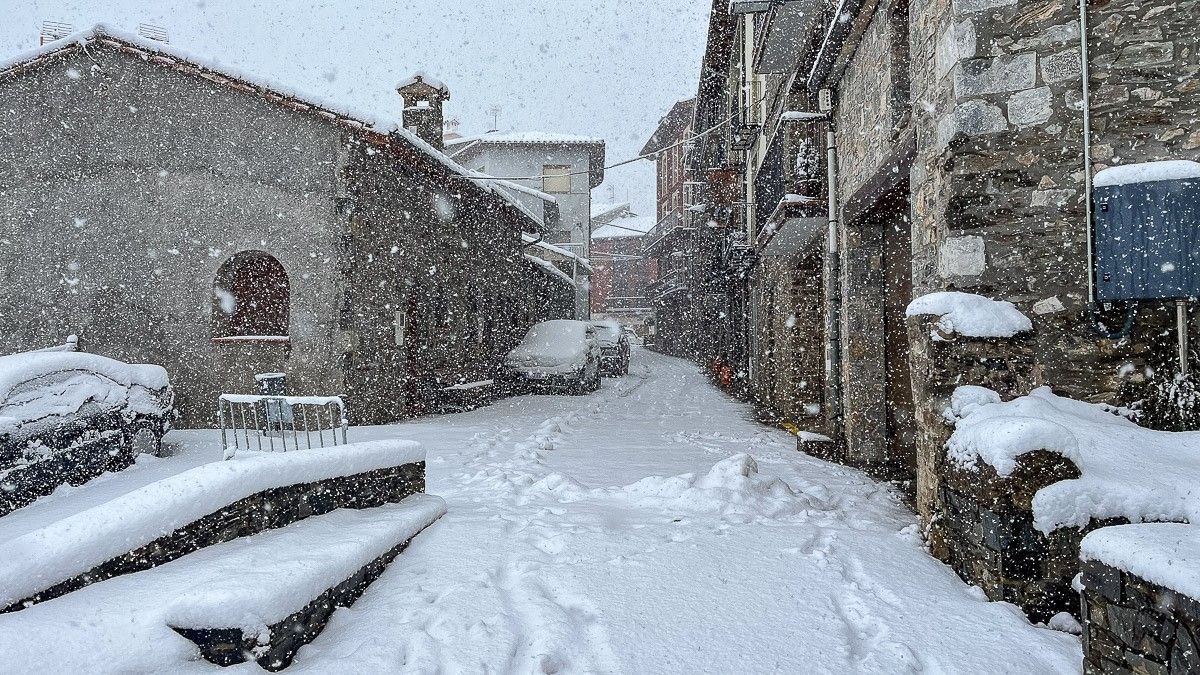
(971, 315)
(733, 486)
(68, 547)
(1148, 172)
(28, 393)
(1167, 554)
(1127, 471)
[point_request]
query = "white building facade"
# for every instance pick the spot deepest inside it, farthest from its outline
(563, 166)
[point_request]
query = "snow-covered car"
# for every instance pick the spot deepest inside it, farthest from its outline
(560, 354)
(70, 416)
(614, 347)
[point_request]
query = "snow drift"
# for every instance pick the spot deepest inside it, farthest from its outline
(1127, 471)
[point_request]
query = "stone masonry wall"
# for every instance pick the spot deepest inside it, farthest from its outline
(866, 111)
(866, 117)
(997, 181)
(124, 186)
(987, 527)
(1133, 626)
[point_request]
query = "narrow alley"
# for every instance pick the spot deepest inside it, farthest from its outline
(654, 527)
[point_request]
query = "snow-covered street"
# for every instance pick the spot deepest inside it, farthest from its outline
(649, 527)
(627, 531)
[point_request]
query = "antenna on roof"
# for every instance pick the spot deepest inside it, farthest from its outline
(152, 32)
(494, 111)
(55, 30)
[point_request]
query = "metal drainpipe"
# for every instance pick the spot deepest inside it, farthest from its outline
(1087, 150)
(833, 293)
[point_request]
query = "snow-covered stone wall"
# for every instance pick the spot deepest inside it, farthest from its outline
(997, 188)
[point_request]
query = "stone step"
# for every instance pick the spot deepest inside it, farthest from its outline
(203, 506)
(263, 597)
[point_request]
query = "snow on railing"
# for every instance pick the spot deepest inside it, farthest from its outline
(257, 422)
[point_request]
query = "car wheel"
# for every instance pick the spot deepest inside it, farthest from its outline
(144, 439)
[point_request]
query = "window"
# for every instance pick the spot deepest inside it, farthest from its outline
(251, 297)
(556, 179)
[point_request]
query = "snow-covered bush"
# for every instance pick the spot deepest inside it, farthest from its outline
(1170, 402)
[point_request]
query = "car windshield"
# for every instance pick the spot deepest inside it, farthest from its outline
(608, 332)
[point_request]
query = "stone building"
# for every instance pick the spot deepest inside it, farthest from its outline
(171, 211)
(886, 150)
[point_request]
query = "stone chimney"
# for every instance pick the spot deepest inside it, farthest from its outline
(423, 97)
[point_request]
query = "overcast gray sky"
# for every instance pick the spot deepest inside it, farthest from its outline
(607, 68)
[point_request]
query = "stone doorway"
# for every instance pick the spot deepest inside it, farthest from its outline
(898, 393)
(880, 421)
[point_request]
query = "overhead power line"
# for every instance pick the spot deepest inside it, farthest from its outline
(631, 160)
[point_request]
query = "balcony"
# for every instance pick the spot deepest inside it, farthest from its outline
(666, 230)
(787, 29)
(672, 282)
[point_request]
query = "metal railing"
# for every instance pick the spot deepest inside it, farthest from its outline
(280, 423)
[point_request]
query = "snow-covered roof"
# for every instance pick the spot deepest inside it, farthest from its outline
(532, 138)
(425, 78)
(629, 226)
(605, 212)
(971, 315)
(459, 145)
(1147, 172)
(385, 122)
(550, 269)
(557, 250)
(517, 187)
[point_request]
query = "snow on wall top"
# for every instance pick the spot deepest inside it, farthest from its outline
(971, 315)
(42, 558)
(1147, 172)
(1167, 554)
(239, 585)
(383, 122)
(1126, 470)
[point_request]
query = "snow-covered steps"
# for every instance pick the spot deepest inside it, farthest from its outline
(265, 596)
(203, 506)
(256, 586)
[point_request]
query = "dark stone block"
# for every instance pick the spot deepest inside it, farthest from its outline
(1184, 658)
(1104, 580)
